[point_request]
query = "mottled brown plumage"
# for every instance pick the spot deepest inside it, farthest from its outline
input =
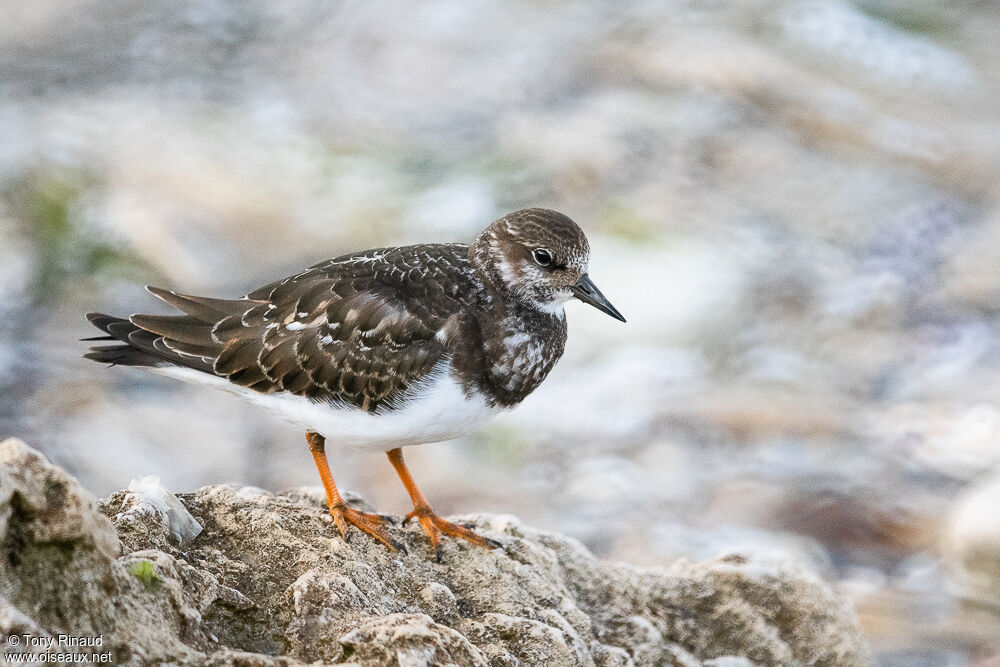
(357, 329)
(381, 331)
(361, 328)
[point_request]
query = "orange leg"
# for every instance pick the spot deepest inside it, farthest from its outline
(341, 513)
(432, 524)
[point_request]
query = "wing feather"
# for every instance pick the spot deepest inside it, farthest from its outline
(181, 328)
(203, 308)
(358, 329)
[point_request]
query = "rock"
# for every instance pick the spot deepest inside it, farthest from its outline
(867, 46)
(270, 582)
(971, 542)
(44, 506)
(56, 549)
(147, 495)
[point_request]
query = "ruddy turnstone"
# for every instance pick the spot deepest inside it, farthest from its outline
(385, 348)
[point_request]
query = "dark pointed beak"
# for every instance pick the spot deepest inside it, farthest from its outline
(585, 290)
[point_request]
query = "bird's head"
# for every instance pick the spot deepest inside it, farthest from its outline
(539, 257)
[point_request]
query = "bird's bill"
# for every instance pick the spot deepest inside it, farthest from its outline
(585, 290)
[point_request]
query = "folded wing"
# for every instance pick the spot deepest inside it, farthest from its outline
(358, 330)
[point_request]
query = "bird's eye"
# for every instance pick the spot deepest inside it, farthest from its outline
(542, 256)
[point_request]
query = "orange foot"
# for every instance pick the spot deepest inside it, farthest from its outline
(434, 526)
(363, 521)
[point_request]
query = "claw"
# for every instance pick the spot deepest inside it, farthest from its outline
(435, 526)
(365, 522)
(341, 513)
(492, 544)
(432, 524)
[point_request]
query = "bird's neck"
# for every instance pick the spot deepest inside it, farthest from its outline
(519, 345)
(518, 341)
(483, 254)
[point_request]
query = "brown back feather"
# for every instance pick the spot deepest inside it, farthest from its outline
(358, 329)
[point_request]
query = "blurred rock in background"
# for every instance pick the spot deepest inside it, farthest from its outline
(794, 203)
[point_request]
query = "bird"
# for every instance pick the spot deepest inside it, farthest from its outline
(384, 348)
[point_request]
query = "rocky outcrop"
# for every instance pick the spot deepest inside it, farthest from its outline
(267, 581)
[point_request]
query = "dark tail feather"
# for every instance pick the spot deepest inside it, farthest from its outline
(139, 347)
(101, 321)
(123, 355)
(182, 328)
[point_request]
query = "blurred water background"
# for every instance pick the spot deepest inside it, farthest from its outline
(794, 203)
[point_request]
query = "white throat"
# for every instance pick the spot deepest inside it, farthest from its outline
(554, 307)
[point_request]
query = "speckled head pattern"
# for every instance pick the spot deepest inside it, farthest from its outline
(534, 254)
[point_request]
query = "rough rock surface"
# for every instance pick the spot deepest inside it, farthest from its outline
(269, 582)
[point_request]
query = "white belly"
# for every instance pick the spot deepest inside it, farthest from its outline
(435, 410)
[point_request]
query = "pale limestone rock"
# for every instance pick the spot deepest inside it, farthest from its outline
(269, 582)
(43, 505)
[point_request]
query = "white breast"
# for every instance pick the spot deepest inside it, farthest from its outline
(435, 410)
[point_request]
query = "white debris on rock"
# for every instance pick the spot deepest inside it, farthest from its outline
(728, 661)
(971, 541)
(150, 495)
